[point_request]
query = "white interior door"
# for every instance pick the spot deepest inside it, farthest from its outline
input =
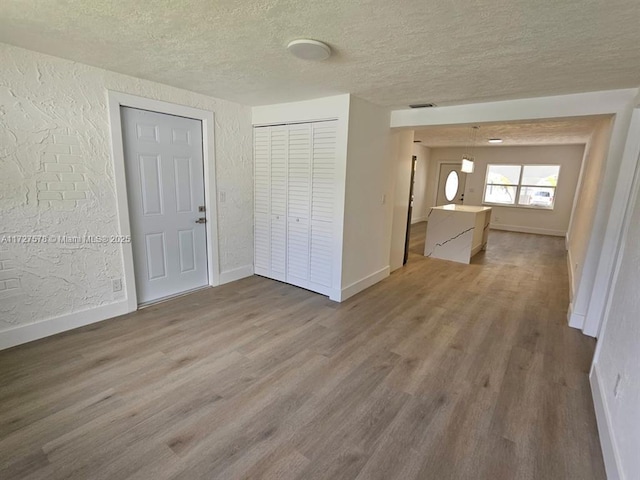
(278, 185)
(451, 184)
(165, 189)
(298, 204)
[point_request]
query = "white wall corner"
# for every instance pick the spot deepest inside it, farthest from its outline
(236, 274)
(35, 331)
(572, 286)
(612, 463)
(362, 284)
(576, 320)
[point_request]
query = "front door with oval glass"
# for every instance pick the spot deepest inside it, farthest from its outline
(451, 184)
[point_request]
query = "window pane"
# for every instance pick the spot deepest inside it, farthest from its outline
(543, 175)
(500, 194)
(503, 174)
(451, 186)
(540, 197)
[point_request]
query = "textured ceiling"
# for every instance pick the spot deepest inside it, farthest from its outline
(544, 132)
(390, 52)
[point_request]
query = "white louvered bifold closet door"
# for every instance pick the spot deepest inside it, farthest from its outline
(294, 203)
(262, 200)
(298, 204)
(323, 193)
(278, 237)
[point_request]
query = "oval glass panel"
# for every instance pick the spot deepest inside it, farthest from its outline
(451, 186)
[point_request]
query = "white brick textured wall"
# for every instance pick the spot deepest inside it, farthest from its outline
(9, 282)
(62, 183)
(54, 129)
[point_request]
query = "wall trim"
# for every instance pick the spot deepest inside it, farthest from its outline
(115, 100)
(44, 328)
(364, 283)
(572, 284)
(576, 320)
(419, 219)
(537, 231)
(612, 463)
(622, 202)
(236, 274)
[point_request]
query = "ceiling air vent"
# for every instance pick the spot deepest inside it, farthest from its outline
(422, 105)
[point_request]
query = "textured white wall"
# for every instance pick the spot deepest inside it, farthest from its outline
(554, 222)
(420, 205)
(619, 350)
(367, 222)
(56, 178)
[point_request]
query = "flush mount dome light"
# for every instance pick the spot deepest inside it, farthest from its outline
(309, 49)
(495, 140)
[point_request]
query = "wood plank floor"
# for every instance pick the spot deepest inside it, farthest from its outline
(442, 371)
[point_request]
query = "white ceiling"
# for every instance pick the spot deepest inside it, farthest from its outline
(390, 52)
(543, 132)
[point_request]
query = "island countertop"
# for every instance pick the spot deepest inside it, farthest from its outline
(457, 232)
(462, 208)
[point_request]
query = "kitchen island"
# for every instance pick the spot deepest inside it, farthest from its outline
(457, 232)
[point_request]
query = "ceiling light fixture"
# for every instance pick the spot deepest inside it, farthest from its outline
(307, 49)
(468, 164)
(495, 140)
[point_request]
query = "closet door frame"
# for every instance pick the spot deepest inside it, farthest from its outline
(336, 252)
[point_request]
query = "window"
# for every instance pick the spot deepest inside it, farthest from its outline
(529, 186)
(451, 186)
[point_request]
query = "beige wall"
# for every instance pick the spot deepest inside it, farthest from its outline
(555, 222)
(584, 212)
(402, 150)
(367, 221)
(420, 204)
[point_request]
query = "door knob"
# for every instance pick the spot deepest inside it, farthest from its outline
(201, 220)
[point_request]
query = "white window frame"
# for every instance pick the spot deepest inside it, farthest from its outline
(520, 185)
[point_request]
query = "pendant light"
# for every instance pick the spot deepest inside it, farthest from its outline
(468, 163)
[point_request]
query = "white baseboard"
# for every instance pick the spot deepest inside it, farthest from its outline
(236, 274)
(538, 231)
(45, 328)
(364, 283)
(605, 432)
(419, 219)
(572, 286)
(576, 320)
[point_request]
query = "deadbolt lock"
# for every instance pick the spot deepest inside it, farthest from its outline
(201, 220)
(202, 208)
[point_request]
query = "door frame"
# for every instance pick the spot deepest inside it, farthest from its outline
(437, 182)
(407, 238)
(119, 99)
